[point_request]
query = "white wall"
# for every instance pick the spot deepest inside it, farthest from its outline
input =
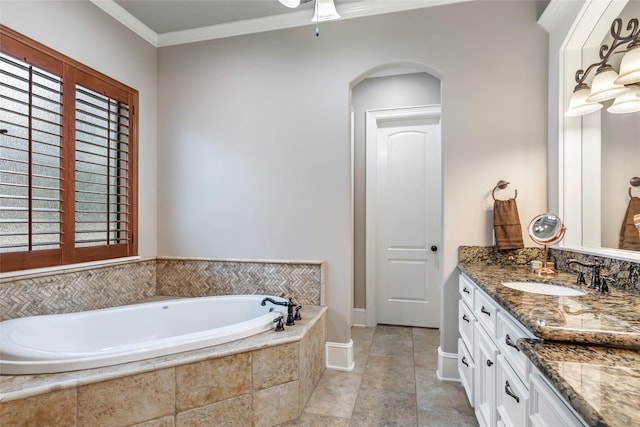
(83, 32)
(253, 133)
(418, 88)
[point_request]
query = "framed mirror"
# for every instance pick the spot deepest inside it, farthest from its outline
(597, 152)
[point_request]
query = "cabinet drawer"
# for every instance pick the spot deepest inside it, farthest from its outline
(465, 369)
(486, 311)
(507, 334)
(512, 399)
(466, 289)
(466, 321)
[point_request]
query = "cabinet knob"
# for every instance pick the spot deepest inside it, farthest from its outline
(434, 248)
(489, 363)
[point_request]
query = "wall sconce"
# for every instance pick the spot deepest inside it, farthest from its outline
(607, 83)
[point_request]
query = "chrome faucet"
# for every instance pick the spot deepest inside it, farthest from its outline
(598, 281)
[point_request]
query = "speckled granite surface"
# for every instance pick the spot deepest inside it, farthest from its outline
(594, 318)
(601, 383)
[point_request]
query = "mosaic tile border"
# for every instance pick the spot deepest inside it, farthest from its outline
(89, 288)
(188, 277)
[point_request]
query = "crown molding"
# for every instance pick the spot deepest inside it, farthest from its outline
(121, 15)
(269, 23)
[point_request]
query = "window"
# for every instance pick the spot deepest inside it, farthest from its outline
(68, 159)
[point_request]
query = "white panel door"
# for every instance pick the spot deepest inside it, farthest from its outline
(407, 222)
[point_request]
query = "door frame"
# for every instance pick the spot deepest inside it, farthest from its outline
(374, 118)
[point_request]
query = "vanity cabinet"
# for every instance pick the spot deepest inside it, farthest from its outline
(500, 382)
(547, 407)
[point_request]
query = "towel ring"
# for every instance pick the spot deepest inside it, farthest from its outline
(502, 184)
(635, 182)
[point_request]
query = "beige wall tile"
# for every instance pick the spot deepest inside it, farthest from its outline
(275, 365)
(168, 421)
(275, 405)
(312, 361)
(210, 381)
(52, 409)
(231, 412)
(127, 400)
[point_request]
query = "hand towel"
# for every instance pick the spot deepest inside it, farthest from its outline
(629, 238)
(506, 225)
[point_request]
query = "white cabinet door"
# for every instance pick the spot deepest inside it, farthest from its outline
(485, 378)
(512, 396)
(546, 408)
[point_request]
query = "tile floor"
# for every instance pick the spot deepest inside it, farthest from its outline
(394, 383)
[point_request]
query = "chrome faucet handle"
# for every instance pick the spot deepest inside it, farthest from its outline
(580, 279)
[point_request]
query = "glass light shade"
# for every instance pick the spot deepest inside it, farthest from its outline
(578, 104)
(627, 103)
(325, 11)
(290, 3)
(630, 67)
(604, 87)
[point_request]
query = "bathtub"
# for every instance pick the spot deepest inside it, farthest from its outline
(91, 339)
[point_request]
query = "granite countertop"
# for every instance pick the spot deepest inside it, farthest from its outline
(601, 383)
(594, 318)
(591, 344)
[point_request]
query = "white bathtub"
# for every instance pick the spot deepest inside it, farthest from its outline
(90, 339)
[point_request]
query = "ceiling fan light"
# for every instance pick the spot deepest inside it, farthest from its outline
(630, 67)
(578, 104)
(627, 103)
(290, 3)
(604, 87)
(325, 11)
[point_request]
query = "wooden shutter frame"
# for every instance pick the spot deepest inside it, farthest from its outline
(72, 72)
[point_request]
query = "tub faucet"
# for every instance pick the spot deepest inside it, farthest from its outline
(289, 304)
(598, 281)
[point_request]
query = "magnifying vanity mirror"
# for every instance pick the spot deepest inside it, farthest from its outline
(546, 229)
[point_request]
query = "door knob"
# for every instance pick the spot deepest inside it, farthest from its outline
(434, 248)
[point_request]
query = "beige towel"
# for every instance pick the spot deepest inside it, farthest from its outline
(506, 225)
(629, 238)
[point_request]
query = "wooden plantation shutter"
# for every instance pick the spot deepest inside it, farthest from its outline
(68, 160)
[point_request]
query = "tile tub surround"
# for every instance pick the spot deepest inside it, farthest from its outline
(301, 281)
(601, 383)
(77, 289)
(263, 380)
(127, 282)
(594, 318)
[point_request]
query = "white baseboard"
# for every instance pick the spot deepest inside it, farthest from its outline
(359, 317)
(339, 356)
(448, 366)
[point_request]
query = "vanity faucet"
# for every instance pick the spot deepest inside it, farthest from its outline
(598, 281)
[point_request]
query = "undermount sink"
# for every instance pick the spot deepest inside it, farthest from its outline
(544, 289)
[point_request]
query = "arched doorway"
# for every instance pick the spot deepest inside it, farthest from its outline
(391, 88)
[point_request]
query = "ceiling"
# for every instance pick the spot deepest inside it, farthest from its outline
(171, 22)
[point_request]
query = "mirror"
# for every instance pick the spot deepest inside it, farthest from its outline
(598, 152)
(546, 229)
